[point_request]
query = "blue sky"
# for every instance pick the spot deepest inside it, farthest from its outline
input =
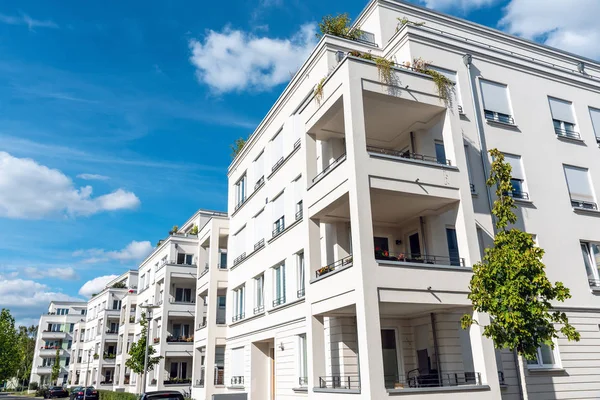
(116, 119)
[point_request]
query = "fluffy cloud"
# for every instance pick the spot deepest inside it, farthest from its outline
(134, 251)
(29, 190)
(557, 23)
(463, 5)
(92, 177)
(233, 60)
(66, 273)
(96, 285)
(27, 299)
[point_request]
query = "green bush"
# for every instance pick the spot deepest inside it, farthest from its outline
(110, 395)
(34, 386)
(41, 392)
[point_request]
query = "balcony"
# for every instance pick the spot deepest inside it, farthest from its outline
(415, 379)
(53, 335)
(334, 266)
(177, 381)
(567, 134)
(50, 351)
(384, 255)
(329, 168)
(180, 339)
(409, 155)
(112, 331)
(339, 382)
(44, 369)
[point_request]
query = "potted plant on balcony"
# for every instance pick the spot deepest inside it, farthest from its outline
(323, 270)
(153, 382)
(96, 356)
(157, 340)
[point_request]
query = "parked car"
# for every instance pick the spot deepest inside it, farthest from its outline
(162, 395)
(55, 392)
(90, 393)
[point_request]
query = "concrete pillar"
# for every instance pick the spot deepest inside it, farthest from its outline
(484, 359)
(316, 350)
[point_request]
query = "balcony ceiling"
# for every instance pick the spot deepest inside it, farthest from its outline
(403, 310)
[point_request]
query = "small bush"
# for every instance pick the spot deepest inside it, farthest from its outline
(110, 395)
(34, 386)
(41, 392)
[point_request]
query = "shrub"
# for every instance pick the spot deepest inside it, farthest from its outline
(110, 395)
(34, 386)
(41, 392)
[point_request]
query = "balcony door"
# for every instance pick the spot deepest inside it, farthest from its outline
(452, 246)
(391, 356)
(414, 245)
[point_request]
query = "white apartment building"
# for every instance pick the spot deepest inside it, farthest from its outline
(168, 280)
(56, 333)
(96, 337)
(357, 214)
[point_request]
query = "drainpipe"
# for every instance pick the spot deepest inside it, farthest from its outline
(467, 59)
(424, 235)
(436, 349)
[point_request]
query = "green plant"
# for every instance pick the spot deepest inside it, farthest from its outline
(444, 86)
(405, 21)
(34, 386)
(319, 91)
(174, 230)
(55, 367)
(110, 395)
(159, 242)
(119, 285)
(194, 230)
(96, 356)
(510, 283)
(384, 68)
(137, 351)
(338, 25)
(9, 358)
(237, 146)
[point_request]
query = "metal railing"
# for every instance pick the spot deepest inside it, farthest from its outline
(180, 264)
(498, 117)
(177, 381)
(237, 380)
(301, 293)
(339, 382)
(501, 378)
(472, 186)
(303, 381)
(280, 228)
(279, 301)
(112, 332)
(239, 259)
(328, 168)
(277, 164)
(180, 339)
(174, 301)
(567, 133)
(594, 283)
(414, 379)
(588, 205)
(296, 144)
(420, 258)
(240, 203)
(199, 383)
(334, 265)
(202, 324)
(204, 271)
(259, 309)
(299, 215)
(259, 182)
(407, 154)
(259, 245)
(237, 317)
(516, 194)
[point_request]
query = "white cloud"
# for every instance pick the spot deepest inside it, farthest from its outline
(27, 299)
(66, 273)
(25, 19)
(96, 285)
(29, 190)
(558, 23)
(92, 177)
(463, 5)
(134, 251)
(233, 60)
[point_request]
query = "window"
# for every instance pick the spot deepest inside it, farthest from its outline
(440, 153)
(223, 258)
(219, 365)
(546, 358)
(302, 360)
(259, 170)
(181, 330)
(259, 294)
(259, 227)
(452, 246)
(183, 259)
(239, 303)
(240, 192)
(469, 173)
(221, 308)
(277, 150)
(116, 305)
(517, 177)
(278, 215)
(580, 187)
(183, 295)
(595, 115)
(298, 192)
(496, 102)
(301, 274)
(237, 366)
(591, 259)
(239, 240)
(279, 285)
(178, 370)
(71, 327)
(562, 118)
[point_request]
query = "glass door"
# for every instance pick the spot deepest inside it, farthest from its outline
(391, 371)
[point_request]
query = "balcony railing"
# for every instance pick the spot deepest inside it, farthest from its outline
(202, 324)
(204, 271)
(498, 117)
(177, 381)
(259, 309)
(237, 380)
(299, 215)
(277, 164)
(280, 228)
(346, 261)
(501, 378)
(112, 331)
(420, 258)
(414, 379)
(180, 339)
(180, 264)
(239, 259)
(259, 182)
(301, 293)
(328, 168)
(240, 203)
(339, 382)
(472, 186)
(199, 383)
(516, 194)
(409, 155)
(566, 133)
(588, 205)
(594, 283)
(174, 301)
(279, 301)
(237, 317)
(259, 245)
(303, 381)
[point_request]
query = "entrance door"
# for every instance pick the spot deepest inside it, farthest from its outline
(414, 245)
(452, 246)
(272, 356)
(391, 370)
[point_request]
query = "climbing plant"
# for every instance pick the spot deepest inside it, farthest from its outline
(444, 86)
(319, 91)
(405, 21)
(384, 68)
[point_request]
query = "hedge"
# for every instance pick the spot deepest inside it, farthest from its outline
(110, 395)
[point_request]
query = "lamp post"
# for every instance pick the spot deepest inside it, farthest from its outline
(148, 308)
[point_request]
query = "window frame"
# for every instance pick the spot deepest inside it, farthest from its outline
(301, 274)
(540, 365)
(259, 293)
(302, 360)
(594, 266)
(241, 190)
(279, 292)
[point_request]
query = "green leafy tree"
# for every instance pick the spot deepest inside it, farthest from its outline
(137, 351)
(338, 25)
(27, 336)
(237, 146)
(510, 284)
(56, 367)
(9, 346)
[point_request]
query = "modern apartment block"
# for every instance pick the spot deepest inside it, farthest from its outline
(96, 337)
(56, 333)
(357, 212)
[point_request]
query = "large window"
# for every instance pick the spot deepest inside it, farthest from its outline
(239, 303)
(279, 285)
(595, 115)
(563, 118)
(259, 228)
(178, 370)
(259, 170)
(219, 365)
(183, 295)
(496, 102)
(302, 360)
(301, 274)
(240, 191)
(440, 152)
(237, 366)
(546, 358)
(517, 177)
(278, 215)
(580, 187)
(277, 150)
(183, 259)
(298, 192)
(239, 241)
(591, 258)
(259, 294)
(221, 309)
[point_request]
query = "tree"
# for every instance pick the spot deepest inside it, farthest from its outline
(137, 351)
(9, 346)
(237, 146)
(55, 367)
(510, 283)
(338, 25)
(27, 336)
